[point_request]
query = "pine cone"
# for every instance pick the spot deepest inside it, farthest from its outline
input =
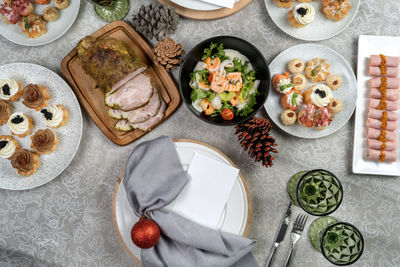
(254, 135)
(156, 20)
(168, 54)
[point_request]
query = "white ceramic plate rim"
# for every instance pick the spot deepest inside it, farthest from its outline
(360, 164)
(305, 38)
(323, 133)
(197, 5)
(78, 111)
(75, 6)
(120, 200)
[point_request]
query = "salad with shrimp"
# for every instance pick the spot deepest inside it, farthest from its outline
(223, 83)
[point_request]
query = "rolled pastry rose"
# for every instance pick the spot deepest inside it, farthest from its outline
(44, 141)
(35, 96)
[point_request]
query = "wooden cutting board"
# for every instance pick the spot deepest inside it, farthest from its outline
(92, 99)
(208, 14)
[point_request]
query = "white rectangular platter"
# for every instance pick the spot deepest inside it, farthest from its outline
(371, 45)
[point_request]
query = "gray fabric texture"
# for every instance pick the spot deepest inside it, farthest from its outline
(153, 178)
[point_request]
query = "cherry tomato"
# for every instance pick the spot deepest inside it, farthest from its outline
(210, 77)
(227, 114)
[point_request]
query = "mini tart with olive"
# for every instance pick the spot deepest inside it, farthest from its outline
(10, 90)
(4, 112)
(35, 96)
(317, 69)
(55, 116)
(20, 124)
(8, 146)
(44, 141)
(284, 3)
(336, 9)
(25, 162)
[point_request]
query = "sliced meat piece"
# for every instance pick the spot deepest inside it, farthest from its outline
(123, 125)
(10, 12)
(376, 71)
(133, 94)
(115, 113)
(375, 60)
(373, 123)
(376, 144)
(143, 113)
(377, 114)
(375, 133)
(392, 83)
(391, 94)
(373, 154)
(146, 125)
(127, 78)
(390, 105)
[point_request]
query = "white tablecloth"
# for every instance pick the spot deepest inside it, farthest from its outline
(68, 222)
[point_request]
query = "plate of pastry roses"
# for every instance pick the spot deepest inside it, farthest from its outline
(314, 91)
(40, 126)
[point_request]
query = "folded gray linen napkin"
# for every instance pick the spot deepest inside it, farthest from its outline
(154, 177)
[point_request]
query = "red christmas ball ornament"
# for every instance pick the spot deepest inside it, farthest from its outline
(145, 233)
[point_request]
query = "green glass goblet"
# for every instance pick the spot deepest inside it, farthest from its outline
(111, 10)
(318, 192)
(340, 243)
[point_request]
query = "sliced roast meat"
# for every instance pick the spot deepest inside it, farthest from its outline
(373, 154)
(133, 94)
(392, 83)
(123, 125)
(375, 60)
(127, 78)
(146, 125)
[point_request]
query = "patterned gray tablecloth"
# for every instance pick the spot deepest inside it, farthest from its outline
(68, 222)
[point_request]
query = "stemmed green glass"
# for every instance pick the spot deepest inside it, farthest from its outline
(111, 10)
(341, 243)
(318, 192)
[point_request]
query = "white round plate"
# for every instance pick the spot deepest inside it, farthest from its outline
(54, 29)
(197, 5)
(321, 28)
(68, 136)
(347, 93)
(233, 220)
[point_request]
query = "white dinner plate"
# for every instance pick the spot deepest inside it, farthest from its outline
(68, 136)
(55, 29)
(371, 45)
(320, 29)
(197, 5)
(233, 220)
(338, 65)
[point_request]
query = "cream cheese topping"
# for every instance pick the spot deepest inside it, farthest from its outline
(321, 95)
(8, 150)
(293, 100)
(18, 127)
(304, 17)
(284, 82)
(8, 88)
(56, 115)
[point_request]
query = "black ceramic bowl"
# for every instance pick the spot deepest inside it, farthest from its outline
(257, 60)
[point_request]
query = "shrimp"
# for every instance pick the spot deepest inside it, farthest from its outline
(212, 64)
(207, 107)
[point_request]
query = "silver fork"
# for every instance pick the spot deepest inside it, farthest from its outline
(297, 230)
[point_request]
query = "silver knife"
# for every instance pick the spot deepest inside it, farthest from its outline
(281, 234)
